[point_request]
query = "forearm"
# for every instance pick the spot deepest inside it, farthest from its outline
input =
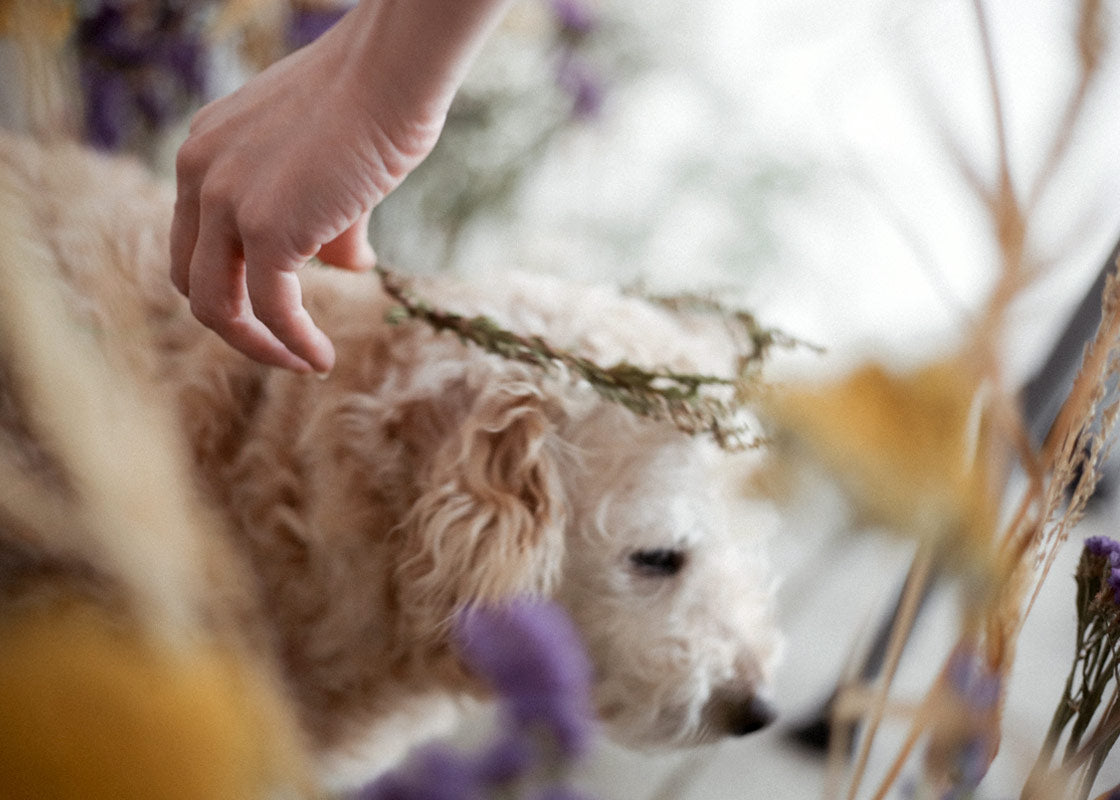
(419, 51)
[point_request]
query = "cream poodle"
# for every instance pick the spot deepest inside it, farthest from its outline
(359, 513)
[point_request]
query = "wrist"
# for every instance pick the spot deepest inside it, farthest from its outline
(415, 54)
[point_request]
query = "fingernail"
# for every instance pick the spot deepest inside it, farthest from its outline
(323, 375)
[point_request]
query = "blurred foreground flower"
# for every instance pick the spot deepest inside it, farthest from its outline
(964, 708)
(308, 23)
(575, 20)
(143, 66)
(910, 449)
(531, 655)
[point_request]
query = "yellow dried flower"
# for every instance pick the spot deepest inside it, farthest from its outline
(911, 449)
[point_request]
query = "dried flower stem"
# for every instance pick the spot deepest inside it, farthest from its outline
(760, 339)
(1041, 521)
(920, 573)
(1090, 41)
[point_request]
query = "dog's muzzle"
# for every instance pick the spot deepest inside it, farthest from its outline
(736, 714)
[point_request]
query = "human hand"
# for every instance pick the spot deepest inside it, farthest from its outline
(291, 165)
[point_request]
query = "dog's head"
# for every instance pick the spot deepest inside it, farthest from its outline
(627, 523)
(666, 577)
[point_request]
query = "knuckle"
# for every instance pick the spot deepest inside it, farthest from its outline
(286, 321)
(180, 281)
(191, 160)
(218, 317)
(253, 222)
(214, 192)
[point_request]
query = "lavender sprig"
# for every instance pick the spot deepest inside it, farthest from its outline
(684, 399)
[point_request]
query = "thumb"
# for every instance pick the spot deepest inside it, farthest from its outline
(351, 248)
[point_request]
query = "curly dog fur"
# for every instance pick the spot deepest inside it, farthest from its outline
(361, 512)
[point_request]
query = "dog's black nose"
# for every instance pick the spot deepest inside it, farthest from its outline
(750, 715)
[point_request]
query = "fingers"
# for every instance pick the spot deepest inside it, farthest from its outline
(277, 301)
(184, 229)
(351, 249)
(256, 309)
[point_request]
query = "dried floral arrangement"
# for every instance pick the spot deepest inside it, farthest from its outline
(943, 454)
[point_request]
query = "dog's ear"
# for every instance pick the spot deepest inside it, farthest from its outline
(489, 524)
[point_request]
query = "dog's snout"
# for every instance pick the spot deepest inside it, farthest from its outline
(740, 713)
(750, 715)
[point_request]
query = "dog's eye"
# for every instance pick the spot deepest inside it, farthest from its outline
(661, 561)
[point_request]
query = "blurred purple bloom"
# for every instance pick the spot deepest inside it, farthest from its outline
(184, 58)
(970, 751)
(107, 30)
(531, 654)
(435, 773)
(140, 63)
(560, 793)
(308, 24)
(508, 758)
(973, 764)
(586, 90)
(977, 685)
(575, 17)
(107, 106)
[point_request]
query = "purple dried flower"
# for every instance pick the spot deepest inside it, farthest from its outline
(435, 773)
(1098, 573)
(1103, 547)
(185, 59)
(959, 753)
(109, 32)
(507, 759)
(141, 62)
(559, 793)
(575, 17)
(107, 106)
(531, 654)
(977, 685)
(576, 78)
(308, 24)
(973, 762)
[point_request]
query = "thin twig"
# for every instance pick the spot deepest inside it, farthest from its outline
(994, 91)
(920, 573)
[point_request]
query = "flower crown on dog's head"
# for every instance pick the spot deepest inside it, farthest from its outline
(694, 403)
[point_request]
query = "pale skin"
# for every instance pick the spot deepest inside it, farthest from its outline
(291, 165)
